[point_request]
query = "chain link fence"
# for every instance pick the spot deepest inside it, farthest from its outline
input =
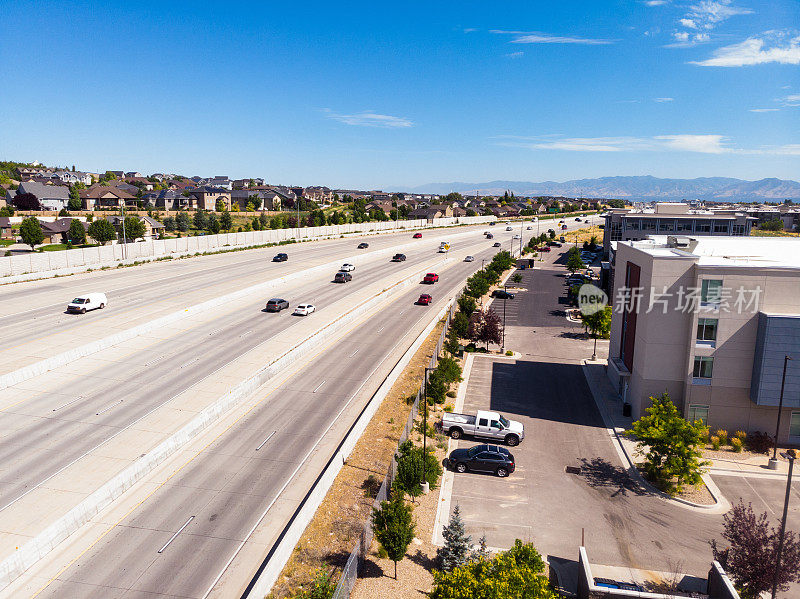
(359, 553)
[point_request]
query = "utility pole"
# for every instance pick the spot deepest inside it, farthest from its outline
(791, 459)
(773, 463)
(124, 235)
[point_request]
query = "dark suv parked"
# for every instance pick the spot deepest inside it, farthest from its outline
(482, 458)
(502, 294)
(276, 304)
(342, 277)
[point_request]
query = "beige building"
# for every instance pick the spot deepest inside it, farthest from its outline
(709, 320)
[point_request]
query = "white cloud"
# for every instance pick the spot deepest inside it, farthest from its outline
(681, 36)
(709, 13)
(700, 37)
(470, 30)
(514, 54)
(753, 51)
(371, 119)
(663, 99)
(532, 37)
(791, 100)
(688, 23)
(655, 2)
(699, 144)
(764, 109)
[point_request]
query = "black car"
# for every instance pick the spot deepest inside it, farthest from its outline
(363, 245)
(342, 277)
(496, 244)
(482, 458)
(276, 304)
(502, 294)
(399, 258)
(280, 257)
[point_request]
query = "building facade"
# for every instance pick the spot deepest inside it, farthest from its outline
(709, 320)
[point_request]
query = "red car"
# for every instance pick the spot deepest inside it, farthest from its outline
(424, 299)
(546, 248)
(417, 236)
(431, 278)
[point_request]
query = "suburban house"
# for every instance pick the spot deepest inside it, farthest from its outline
(134, 175)
(221, 182)
(5, 227)
(73, 177)
(672, 218)
(167, 199)
(243, 183)
(56, 231)
(51, 197)
(140, 182)
(152, 227)
(270, 200)
(205, 198)
(106, 197)
(710, 320)
(426, 213)
(319, 194)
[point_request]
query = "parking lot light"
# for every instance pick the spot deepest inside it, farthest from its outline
(773, 463)
(791, 457)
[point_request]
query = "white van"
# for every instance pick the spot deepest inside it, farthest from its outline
(87, 301)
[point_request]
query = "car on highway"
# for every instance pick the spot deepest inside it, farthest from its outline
(399, 258)
(276, 304)
(363, 245)
(556, 244)
(492, 224)
(486, 233)
(482, 458)
(347, 267)
(469, 259)
(496, 244)
(88, 301)
(342, 277)
(304, 309)
(417, 236)
(563, 227)
(508, 229)
(489, 236)
(424, 299)
(550, 231)
(502, 294)
(430, 278)
(577, 220)
(517, 236)
(529, 228)
(280, 257)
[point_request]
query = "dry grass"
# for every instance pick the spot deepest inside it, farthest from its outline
(335, 528)
(584, 234)
(760, 233)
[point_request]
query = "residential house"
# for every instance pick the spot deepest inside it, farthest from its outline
(106, 197)
(140, 182)
(125, 186)
(220, 181)
(270, 200)
(446, 209)
(205, 198)
(384, 205)
(5, 227)
(243, 183)
(319, 194)
(57, 231)
(153, 228)
(117, 174)
(426, 213)
(709, 320)
(73, 177)
(167, 199)
(51, 197)
(134, 175)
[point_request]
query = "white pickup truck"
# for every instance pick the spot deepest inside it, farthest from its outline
(490, 425)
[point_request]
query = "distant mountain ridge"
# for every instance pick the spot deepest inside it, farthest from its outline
(720, 189)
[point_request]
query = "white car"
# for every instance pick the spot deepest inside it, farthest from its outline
(88, 301)
(347, 268)
(469, 259)
(304, 309)
(517, 236)
(509, 229)
(529, 228)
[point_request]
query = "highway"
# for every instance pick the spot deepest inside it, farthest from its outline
(177, 542)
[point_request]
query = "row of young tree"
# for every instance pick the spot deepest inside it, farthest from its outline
(100, 230)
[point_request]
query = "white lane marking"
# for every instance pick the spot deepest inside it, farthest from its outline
(106, 409)
(190, 362)
(401, 311)
(318, 387)
(155, 361)
(379, 330)
(214, 332)
(353, 354)
(265, 440)
(69, 403)
(245, 334)
(172, 538)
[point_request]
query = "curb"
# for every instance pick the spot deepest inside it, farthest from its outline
(720, 504)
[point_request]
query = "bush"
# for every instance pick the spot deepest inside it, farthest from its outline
(448, 408)
(736, 444)
(451, 394)
(715, 442)
(509, 353)
(759, 442)
(741, 435)
(322, 587)
(723, 436)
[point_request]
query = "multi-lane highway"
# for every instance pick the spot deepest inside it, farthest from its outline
(56, 423)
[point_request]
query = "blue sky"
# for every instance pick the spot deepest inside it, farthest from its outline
(369, 96)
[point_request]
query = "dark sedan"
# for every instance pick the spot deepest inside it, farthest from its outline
(482, 458)
(502, 294)
(280, 257)
(363, 245)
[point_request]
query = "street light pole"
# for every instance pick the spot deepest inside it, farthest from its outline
(505, 297)
(425, 426)
(773, 463)
(791, 459)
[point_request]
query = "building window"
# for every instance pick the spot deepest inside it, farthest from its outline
(632, 225)
(648, 225)
(666, 225)
(794, 425)
(738, 230)
(684, 226)
(702, 227)
(698, 412)
(702, 370)
(720, 226)
(707, 329)
(710, 291)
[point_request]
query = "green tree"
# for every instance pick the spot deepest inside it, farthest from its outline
(134, 228)
(478, 284)
(574, 263)
(513, 574)
(221, 205)
(226, 221)
(450, 370)
(213, 224)
(552, 234)
(256, 224)
(200, 220)
(457, 543)
(74, 202)
(436, 388)
(170, 223)
(30, 230)
(77, 233)
(182, 221)
(460, 324)
(264, 220)
(599, 323)
(670, 444)
(394, 528)
(466, 304)
(616, 204)
(253, 200)
(276, 222)
(451, 342)
(102, 231)
(410, 461)
(774, 224)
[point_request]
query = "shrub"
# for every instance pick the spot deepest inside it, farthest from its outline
(448, 408)
(509, 353)
(741, 435)
(723, 436)
(715, 442)
(451, 394)
(736, 443)
(322, 587)
(759, 442)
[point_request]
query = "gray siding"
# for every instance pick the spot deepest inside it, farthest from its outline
(778, 336)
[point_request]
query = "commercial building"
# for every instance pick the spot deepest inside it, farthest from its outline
(709, 320)
(673, 218)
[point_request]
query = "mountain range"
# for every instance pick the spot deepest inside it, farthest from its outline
(719, 189)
